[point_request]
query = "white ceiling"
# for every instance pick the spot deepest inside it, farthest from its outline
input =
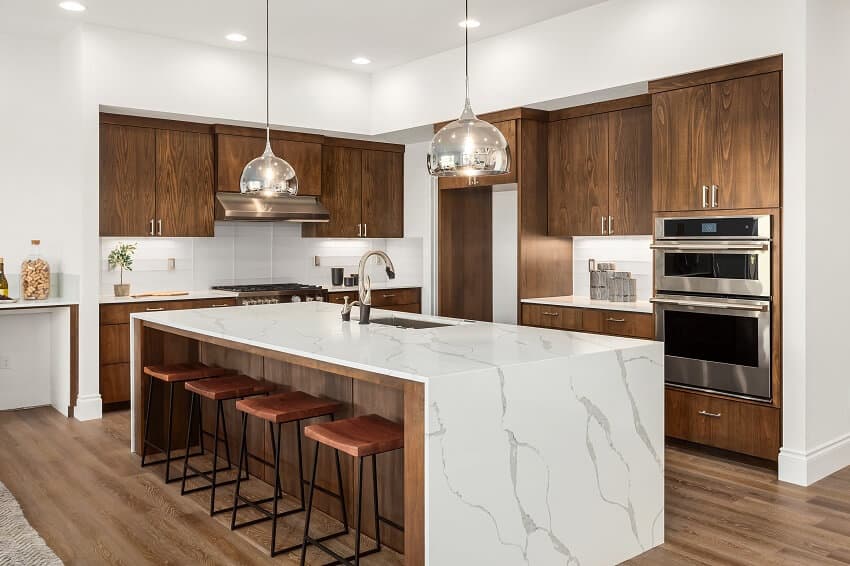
(327, 32)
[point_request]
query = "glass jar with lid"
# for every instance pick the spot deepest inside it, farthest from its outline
(35, 275)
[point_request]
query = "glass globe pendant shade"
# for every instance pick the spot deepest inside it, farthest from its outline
(269, 176)
(469, 147)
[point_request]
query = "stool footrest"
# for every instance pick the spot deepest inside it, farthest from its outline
(317, 542)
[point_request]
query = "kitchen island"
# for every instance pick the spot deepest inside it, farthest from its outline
(522, 445)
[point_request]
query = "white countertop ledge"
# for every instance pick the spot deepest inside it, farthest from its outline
(315, 330)
(588, 303)
(192, 296)
(47, 303)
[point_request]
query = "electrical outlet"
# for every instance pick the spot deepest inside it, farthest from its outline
(172, 264)
(5, 363)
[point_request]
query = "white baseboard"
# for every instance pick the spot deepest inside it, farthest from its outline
(88, 408)
(805, 468)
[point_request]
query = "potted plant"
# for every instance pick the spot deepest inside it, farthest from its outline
(121, 257)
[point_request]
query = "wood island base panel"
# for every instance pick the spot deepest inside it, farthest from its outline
(522, 445)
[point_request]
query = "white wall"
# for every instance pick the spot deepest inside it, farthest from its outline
(630, 253)
(505, 230)
(419, 206)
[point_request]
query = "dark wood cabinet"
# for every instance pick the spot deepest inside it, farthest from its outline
(600, 172)
(185, 204)
(363, 189)
(578, 319)
(717, 146)
(403, 300)
(127, 180)
(509, 130)
(235, 151)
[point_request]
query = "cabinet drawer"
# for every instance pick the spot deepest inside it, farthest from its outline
(339, 297)
(552, 317)
(208, 303)
(115, 383)
(635, 325)
(115, 344)
(723, 423)
(389, 297)
(120, 313)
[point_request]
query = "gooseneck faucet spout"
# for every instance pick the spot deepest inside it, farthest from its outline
(364, 284)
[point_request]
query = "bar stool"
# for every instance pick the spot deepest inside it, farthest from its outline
(170, 375)
(359, 437)
(218, 389)
(279, 409)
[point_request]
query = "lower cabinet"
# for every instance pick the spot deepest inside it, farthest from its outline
(724, 423)
(115, 342)
(616, 323)
(402, 300)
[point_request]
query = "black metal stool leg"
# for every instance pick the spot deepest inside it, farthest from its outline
(341, 492)
(375, 492)
(359, 511)
(200, 425)
(277, 492)
(277, 487)
(300, 461)
(188, 437)
(310, 502)
(170, 431)
(226, 437)
(147, 419)
(242, 457)
(215, 457)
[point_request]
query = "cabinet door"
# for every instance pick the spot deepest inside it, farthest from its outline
(508, 129)
(341, 194)
(630, 171)
(127, 180)
(383, 194)
(232, 155)
(306, 159)
(579, 202)
(747, 147)
(682, 144)
(185, 196)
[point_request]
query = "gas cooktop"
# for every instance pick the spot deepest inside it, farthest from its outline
(268, 287)
(273, 293)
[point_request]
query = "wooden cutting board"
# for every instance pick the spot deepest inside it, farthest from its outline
(161, 294)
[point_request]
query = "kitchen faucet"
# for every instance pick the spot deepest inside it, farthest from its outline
(364, 286)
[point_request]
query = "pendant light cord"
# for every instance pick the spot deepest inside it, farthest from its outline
(267, 74)
(466, 42)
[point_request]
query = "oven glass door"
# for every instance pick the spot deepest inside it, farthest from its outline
(717, 348)
(730, 269)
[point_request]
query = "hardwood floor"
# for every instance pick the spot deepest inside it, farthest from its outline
(83, 491)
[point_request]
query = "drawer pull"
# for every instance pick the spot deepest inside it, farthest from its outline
(215, 306)
(712, 415)
(616, 319)
(388, 296)
(551, 313)
(151, 309)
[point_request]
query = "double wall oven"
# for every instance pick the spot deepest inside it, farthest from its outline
(713, 303)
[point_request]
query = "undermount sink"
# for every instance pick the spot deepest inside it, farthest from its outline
(408, 323)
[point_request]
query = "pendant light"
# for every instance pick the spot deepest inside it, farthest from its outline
(268, 175)
(468, 147)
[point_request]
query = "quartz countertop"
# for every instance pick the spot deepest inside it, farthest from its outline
(375, 286)
(193, 295)
(47, 303)
(315, 330)
(588, 303)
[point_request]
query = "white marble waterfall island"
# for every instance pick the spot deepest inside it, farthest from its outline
(522, 445)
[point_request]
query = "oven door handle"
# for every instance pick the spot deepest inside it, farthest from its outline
(706, 304)
(710, 247)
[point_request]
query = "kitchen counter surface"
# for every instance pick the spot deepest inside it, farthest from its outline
(193, 295)
(375, 286)
(537, 443)
(588, 303)
(48, 303)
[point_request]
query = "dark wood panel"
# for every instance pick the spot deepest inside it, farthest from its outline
(548, 316)
(383, 194)
(630, 171)
(723, 423)
(115, 383)
(306, 159)
(682, 147)
(185, 202)
(155, 123)
(578, 204)
(717, 74)
(465, 254)
(232, 154)
(747, 152)
(509, 130)
(387, 297)
(127, 180)
(601, 107)
(227, 130)
(414, 473)
(341, 194)
(529, 114)
(115, 344)
(634, 325)
(74, 332)
(363, 144)
(235, 151)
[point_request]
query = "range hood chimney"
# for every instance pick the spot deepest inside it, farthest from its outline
(238, 206)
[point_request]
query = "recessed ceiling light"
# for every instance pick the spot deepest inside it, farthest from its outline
(469, 23)
(237, 37)
(361, 61)
(72, 6)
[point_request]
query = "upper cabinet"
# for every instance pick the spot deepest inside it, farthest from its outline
(235, 147)
(600, 172)
(508, 129)
(717, 146)
(156, 178)
(363, 189)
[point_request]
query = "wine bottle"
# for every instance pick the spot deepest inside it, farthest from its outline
(4, 283)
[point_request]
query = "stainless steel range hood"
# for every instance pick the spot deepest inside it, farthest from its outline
(237, 206)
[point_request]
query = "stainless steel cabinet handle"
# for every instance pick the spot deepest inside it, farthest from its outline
(711, 305)
(388, 296)
(603, 225)
(153, 233)
(616, 320)
(152, 309)
(551, 313)
(216, 306)
(610, 225)
(705, 196)
(710, 247)
(365, 230)
(159, 227)
(359, 230)
(712, 415)
(713, 196)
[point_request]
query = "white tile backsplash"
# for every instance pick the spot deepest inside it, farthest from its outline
(255, 252)
(630, 253)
